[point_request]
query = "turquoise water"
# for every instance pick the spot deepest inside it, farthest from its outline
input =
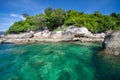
(57, 61)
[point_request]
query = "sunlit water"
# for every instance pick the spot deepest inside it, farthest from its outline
(57, 61)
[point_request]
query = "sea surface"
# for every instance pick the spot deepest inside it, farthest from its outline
(57, 61)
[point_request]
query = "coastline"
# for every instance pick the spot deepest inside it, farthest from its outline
(27, 41)
(70, 34)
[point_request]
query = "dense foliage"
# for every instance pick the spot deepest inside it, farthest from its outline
(54, 18)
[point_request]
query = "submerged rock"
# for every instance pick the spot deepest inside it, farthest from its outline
(111, 43)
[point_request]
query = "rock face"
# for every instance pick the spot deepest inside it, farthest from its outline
(111, 43)
(0, 41)
(18, 36)
(71, 33)
(62, 35)
(82, 31)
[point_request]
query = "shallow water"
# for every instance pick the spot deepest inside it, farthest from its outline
(57, 61)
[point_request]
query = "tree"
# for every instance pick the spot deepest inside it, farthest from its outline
(48, 11)
(97, 14)
(114, 15)
(25, 15)
(55, 19)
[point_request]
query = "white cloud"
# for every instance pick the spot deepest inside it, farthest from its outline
(31, 7)
(6, 22)
(17, 16)
(5, 26)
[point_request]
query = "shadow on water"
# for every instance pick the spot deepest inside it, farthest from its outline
(106, 66)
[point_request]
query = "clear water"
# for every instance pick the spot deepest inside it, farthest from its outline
(57, 61)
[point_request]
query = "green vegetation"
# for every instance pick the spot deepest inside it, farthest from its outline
(54, 18)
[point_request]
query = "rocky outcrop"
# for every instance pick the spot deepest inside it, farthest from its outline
(99, 35)
(81, 32)
(72, 33)
(111, 43)
(0, 41)
(18, 36)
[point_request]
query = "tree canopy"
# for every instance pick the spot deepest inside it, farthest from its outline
(53, 18)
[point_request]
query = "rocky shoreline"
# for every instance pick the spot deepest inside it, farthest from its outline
(72, 33)
(110, 41)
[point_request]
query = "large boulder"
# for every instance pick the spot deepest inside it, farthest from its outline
(111, 43)
(79, 32)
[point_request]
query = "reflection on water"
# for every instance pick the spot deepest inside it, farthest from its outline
(57, 61)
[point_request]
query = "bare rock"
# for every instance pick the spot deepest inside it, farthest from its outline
(62, 35)
(20, 36)
(38, 35)
(111, 43)
(46, 34)
(82, 31)
(99, 35)
(1, 41)
(25, 35)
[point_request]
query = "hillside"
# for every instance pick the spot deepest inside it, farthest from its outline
(54, 18)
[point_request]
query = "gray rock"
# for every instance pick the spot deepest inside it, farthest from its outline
(43, 34)
(25, 35)
(99, 35)
(72, 33)
(18, 36)
(38, 35)
(79, 31)
(62, 35)
(57, 35)
(111, 43)
(1, 41)
(17, 41)
(46, 34)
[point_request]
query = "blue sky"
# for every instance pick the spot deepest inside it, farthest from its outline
(12, 10)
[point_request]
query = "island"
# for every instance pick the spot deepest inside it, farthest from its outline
(59, 40)
(57, 25)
